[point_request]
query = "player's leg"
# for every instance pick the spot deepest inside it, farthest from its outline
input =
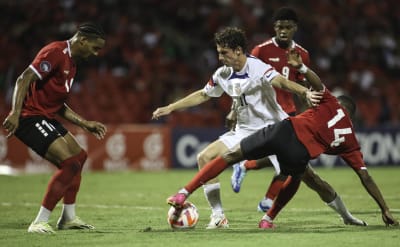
(285, 194)
(69, 219)
(329, 196)
(240, 169)
(275, 185)
(211, 170)
(212, 189)
(39, 133)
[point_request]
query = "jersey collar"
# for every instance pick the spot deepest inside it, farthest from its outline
(292, 45)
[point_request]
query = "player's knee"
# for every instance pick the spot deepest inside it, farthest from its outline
(81, 157)
(203, 158)
(75, 163)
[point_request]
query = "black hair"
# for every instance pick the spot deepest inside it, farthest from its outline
(90, 29)
(348, 103)
(231, 37)
(285, 13)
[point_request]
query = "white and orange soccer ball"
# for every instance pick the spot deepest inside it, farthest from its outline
(186, 217)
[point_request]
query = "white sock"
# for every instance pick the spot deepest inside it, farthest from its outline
(338, 205)
(68, 212)
(43, 215)
(267, 218)
(184, 191)
(213, 196)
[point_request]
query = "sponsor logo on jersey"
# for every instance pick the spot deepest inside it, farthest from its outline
(45, 66)
(274, 59)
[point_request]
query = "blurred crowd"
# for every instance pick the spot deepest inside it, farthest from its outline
(158, 51)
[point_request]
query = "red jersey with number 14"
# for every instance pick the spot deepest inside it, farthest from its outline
(56, 70)
(327, 128)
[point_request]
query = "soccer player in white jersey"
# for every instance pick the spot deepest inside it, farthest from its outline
(249, 82)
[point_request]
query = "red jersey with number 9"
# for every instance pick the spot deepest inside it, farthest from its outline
(326, 128)
(56, 70)
(272, 54)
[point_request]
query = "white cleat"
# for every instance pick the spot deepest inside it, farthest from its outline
(218, 221)
(354, 221)
(76, 223)
(41, 227)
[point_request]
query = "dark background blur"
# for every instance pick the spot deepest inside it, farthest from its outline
(158, 51)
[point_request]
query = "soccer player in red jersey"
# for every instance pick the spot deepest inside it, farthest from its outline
(326, 128)
(274, 52)
(39, 96)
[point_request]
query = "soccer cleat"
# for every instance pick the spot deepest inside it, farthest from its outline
(265, 224)
(355, 222)
(218, 221)
(237, 176)
(41, 227)
(76, 223)
(177, 200)
(264, 205)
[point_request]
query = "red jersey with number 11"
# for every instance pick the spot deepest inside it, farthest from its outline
(327, 128)
(56, 70)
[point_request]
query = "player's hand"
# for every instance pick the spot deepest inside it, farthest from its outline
(230, 120)
(97, 129)
(313, 98)
(161, 111)
(11, 123)
(294, 58)
(389, 219)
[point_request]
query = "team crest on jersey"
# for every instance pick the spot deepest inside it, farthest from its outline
(45, 66)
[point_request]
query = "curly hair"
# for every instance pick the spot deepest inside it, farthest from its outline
(231, 37)
(285, 13)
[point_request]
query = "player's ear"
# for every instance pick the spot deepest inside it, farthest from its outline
(238, 51)
(295, 27)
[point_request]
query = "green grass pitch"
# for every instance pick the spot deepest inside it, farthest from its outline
(129, 209)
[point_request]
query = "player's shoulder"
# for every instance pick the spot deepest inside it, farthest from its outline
(55, 46)
(265, 44)
(300, 48)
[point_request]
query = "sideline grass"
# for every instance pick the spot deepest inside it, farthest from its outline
(128, 209)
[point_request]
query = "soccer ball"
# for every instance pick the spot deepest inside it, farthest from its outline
(183, 218)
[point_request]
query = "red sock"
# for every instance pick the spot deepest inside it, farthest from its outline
(60, 182)
(209, 171)
(286, 193)
(251, 165)
(274, 188)
(72, 191)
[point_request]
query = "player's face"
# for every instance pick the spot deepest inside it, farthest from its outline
(92, 47)
(229, 57)
(285, 30)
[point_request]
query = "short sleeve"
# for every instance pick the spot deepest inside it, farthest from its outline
(354, 159)
(45, 62)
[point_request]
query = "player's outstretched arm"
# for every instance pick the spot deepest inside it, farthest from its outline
(312, 97)
(96, 128)
(193, 99)
(294, 59)
(372, 189)
(20, 90)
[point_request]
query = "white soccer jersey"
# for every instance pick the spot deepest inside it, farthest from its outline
(252, 92)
